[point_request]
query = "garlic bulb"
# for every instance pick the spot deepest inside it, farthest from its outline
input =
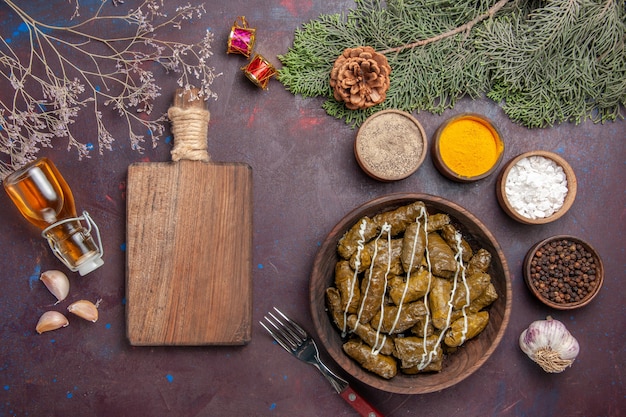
(549, 344)
(85, 309)
(57, 283)
(51, 320)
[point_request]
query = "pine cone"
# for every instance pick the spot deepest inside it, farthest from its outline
(360, 77)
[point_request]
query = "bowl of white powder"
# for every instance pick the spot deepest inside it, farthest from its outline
(536, 187)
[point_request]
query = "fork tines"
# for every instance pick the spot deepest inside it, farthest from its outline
(286, 332)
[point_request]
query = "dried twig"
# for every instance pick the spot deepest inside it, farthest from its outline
(55, 73)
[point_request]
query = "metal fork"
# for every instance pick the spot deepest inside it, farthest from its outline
(295, 340)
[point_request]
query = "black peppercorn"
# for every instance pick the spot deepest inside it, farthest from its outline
(563, 271)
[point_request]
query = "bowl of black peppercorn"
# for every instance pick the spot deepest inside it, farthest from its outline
(564, 272)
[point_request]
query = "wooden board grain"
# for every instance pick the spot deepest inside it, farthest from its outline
(189, 246)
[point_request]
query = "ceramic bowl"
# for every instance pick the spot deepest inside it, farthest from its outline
(467, 122)
(390, 145)
(540, 258)
(504, 199)
(457, 366)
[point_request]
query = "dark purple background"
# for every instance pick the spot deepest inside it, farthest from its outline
(305, 180)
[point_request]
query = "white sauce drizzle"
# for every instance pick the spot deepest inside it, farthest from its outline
(423, 362)
(459, 260)
(357, 263)
(408, 274)
(386, 228)
(428, 356)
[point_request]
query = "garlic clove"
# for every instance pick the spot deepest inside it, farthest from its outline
(57, 283)
(84, 309)
(51, 320)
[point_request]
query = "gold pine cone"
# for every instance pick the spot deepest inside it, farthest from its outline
(360, 77)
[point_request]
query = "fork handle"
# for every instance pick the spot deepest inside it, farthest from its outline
(353, 398)
(359, 403)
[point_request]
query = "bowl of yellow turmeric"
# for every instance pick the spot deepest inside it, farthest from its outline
(467, 147)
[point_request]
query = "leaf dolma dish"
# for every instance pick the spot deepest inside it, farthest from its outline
(443, 369)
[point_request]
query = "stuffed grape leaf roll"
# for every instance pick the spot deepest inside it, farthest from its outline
(393, 319)
(382, 365)
(373, 287)
(476, 284)
(333, 301)
(361, 232)
(401, 217)
(437, 221)
(483, 300)
(416, 352)
(438, 299)
(347, 282)
(382, 253)
(376, 340)
(413, 245)
(410, 290)
(442, 259)
(458, 333)
(479, 262)
(450, 234)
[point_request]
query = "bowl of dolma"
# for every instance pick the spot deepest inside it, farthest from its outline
(410, 293)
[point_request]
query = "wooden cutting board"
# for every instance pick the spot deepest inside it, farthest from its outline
(189, 243)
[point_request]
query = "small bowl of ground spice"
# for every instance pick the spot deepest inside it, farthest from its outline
(467, 148)
(536, 187)
(563, 272)
(390, 145)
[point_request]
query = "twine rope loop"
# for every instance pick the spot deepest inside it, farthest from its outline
(189, 127)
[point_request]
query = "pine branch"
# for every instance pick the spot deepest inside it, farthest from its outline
(543, 62)
(464, 28)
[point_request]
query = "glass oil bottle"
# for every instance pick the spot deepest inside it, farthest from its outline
(45, 200)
